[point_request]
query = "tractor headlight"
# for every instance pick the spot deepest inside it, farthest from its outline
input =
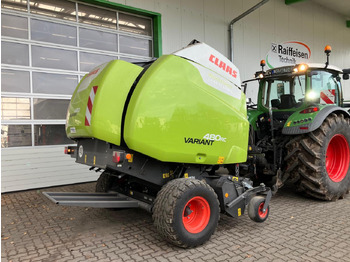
(311, 95)
(300, 68)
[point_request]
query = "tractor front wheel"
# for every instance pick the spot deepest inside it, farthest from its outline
(186, 212)
(319, 161)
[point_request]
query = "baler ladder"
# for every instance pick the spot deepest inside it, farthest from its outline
(97, 200)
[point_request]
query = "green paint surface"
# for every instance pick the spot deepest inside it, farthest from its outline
(114, 82)
(172, 104)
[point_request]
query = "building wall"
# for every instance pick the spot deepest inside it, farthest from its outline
(274, 22)
(36, 167)
(207, 21)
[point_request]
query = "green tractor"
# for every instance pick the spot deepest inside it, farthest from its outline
(300, 130)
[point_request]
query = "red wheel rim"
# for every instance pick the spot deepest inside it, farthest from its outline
(196, 215)
(260, 210)
(337, 158)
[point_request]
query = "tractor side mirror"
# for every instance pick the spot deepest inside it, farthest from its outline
(346, 73)
(244, 87)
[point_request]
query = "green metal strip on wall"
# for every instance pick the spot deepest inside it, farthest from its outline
(157, 33)
(289, 2)
(156, 17)
(348, 23)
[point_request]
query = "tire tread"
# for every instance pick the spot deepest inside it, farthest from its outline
(306, 151)
(164, 206)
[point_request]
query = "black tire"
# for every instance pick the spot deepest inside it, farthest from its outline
(104, 182)
(255, 209)
(172, 207)
(307, 159)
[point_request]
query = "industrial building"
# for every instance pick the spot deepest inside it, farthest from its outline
(47, 46)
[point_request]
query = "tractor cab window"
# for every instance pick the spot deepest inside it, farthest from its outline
(324, 88)
(284, 93)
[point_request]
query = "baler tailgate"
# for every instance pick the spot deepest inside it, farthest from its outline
(97, 200)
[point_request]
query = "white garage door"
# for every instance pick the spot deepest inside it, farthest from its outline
(47, 47)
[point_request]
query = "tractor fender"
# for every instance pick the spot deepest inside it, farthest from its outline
(316, 123)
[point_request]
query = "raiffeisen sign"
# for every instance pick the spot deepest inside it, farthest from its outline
(287, 53)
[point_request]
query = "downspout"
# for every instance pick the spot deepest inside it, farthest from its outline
(230, 28)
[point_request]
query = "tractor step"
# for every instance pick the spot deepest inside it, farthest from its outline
(97, 200)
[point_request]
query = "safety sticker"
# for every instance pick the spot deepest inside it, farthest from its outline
(235, 178)
(327, 97)
(221, 160)
(90, 105)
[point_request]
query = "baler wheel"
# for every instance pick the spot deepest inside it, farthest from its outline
(104, 182)
(319, 161)
(186, 212)
(255, 209)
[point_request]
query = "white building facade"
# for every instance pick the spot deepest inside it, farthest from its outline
(49, 45)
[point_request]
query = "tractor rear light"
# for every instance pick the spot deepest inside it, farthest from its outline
(310, 110)
(118, 157)
(303, 128)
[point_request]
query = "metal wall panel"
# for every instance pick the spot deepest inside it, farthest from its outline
(171, 24)
(192, 21)
(207, 20)
(215, 27)
(36, 167)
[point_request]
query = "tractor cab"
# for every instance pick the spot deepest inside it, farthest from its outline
(293, 93)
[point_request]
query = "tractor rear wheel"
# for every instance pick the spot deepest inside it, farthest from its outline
(319, 161)
(186, 212)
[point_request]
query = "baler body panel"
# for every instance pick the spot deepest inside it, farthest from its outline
(183, 112)
(98, 102)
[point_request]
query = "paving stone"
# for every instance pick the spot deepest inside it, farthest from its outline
(298, 229)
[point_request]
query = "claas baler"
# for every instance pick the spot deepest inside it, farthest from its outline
(159, 131)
